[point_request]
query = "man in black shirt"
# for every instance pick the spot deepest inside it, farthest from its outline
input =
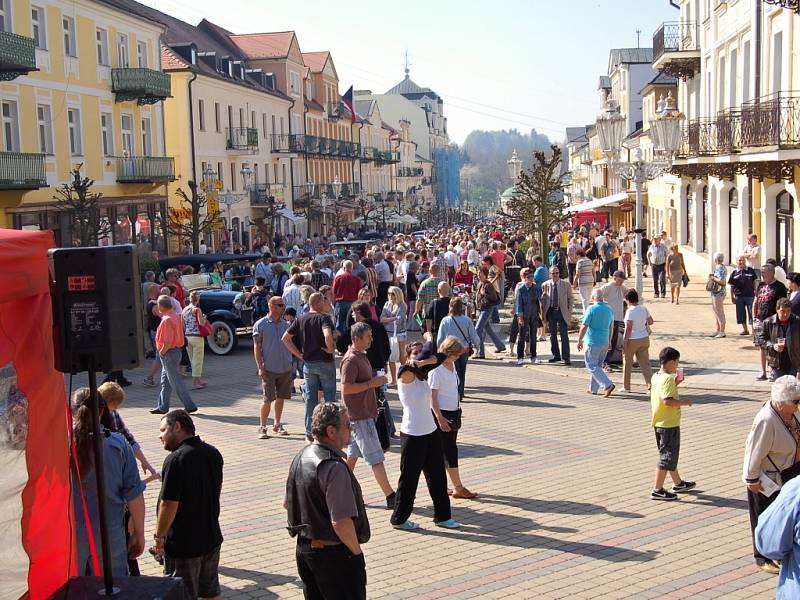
(187, 534)
(438, 309)
(769, 291)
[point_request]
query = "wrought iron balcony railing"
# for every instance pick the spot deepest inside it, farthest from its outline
(146, 86)
(676, 36)
(241, 138)
(600, 191)
(409, 172)
(292, 143)
(17, 55)
(145, 169)
(21, 171)
(260, 194)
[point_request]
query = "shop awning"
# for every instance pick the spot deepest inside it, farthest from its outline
(289, 214)
(595, 203)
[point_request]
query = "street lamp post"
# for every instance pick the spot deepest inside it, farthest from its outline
(666, 135)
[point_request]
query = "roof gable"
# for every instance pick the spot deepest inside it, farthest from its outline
(632, 56)
(408, 87)
(266, 45)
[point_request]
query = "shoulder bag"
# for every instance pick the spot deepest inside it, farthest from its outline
(205, 329)
(712, 286)
(470, 348)
(382, 422)
(787, 474)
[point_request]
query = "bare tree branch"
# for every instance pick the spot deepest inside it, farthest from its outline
(83, 208)
(192, 218)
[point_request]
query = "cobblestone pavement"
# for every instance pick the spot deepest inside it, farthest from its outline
(563, 476)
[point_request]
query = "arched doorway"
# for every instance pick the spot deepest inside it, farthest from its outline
(784, 207)
(733, 205)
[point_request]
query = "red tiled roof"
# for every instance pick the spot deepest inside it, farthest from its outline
(170, 60)
(265, 45)
(316, 60)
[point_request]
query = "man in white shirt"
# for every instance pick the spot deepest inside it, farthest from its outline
(385, 279)
(203, 247)
(452, 260)
(752, 254)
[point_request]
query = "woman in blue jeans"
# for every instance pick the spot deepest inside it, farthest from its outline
(486, 298)
(596, 329)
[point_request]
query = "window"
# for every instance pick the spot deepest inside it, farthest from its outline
(122, 50)
(746, 72)
(216, 116)
(38, 27)
(230, 117)
(219, 172)
(733, 78)
(282, 127)
(721, 81)
(44, 123)
(102, 47)
(147, 137)
(5, 15)
(201, 114)
(294, 83)
(10, 126)
(141, 53)
(70, 44)
(253, 119)
(127, 135)
(777, 61)
(233, 177)
(264, 124)
(241, 118)
(107, 133)
(74, 126)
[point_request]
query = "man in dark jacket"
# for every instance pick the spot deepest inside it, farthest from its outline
(780, 338)
(526, 309)
(326, 511)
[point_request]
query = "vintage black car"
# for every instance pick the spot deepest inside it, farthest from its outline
(224, 308)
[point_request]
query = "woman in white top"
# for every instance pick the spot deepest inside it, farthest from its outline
(420, 443)
(443, 381)
(636, 342)
(584, 278)
(626, 253)
(393, 317)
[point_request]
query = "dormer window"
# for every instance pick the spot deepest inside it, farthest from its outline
(194, 56)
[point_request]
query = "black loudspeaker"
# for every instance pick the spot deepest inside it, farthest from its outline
(97, 308)
(130, 588)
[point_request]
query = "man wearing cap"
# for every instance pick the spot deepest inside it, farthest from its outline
(614, 294)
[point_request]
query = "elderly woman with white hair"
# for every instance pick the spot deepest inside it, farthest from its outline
(596, 327)
(716, 287)
(772, 453)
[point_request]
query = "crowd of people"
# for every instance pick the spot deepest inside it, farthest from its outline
(411, 313)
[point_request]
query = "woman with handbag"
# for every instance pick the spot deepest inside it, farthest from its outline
(195, 328)
(716, 287)
(486, 298)
(446, 406)
(676, 271)
(393, 318)
(459, 326)
(772, 454)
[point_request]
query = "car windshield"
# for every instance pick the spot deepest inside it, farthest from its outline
(205, 281)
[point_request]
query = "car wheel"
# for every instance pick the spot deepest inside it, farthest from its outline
(223, 339)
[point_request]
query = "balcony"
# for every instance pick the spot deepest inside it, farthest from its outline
(17, 55)
(241, 138)
(600, 191)
(387, 156)
(409, 172)
(146, 86)
(145, 169)
(19, 171)
(676, 51)
(260, 194)
(772, 122)
(292, 143)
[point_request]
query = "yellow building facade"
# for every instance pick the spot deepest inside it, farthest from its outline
(95, 100)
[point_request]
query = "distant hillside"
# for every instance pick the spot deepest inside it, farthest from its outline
(484, 157)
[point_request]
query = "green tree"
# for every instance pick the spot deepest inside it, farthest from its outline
(539, 200)
(192, 218)
(83, 207)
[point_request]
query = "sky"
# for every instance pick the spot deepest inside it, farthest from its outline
(506, 64)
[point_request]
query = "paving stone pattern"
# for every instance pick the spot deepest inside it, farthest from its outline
(563, 477)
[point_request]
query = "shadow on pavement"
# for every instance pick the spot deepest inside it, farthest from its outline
(481, 451)
(566, 507)
(260, 581)
(500, 529)
(699, 497)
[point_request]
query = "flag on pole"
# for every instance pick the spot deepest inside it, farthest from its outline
(347, 100)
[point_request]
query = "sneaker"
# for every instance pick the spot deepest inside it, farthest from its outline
(663, 494)
(568, 363)
(553, 360)
(608, 390)
(262, 433)
(744, 332)
(762, 377)
(280, 430)
(156, 411)
(407, 526)
(148, 382)
(713, 335)
(721, 334)
(683, 486)
(449, 524)
(520, 362)
(769, 567)
(390, 500)
(534, 361)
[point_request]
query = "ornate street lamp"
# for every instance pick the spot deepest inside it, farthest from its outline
(666, 139)
(247, 177)
(514, 167)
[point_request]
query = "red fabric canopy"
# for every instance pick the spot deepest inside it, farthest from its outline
(35, 502)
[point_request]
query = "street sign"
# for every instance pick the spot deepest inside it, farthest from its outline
(626, 206)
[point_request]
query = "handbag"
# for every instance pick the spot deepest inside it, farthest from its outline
(470, 350)
(453, 417)
(787, 474)
(382, 423)
(685, 279)
(205, 329)
(712, 286)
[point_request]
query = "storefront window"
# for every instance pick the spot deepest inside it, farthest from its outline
(158, 224)
(123, 228)
(143, 228)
